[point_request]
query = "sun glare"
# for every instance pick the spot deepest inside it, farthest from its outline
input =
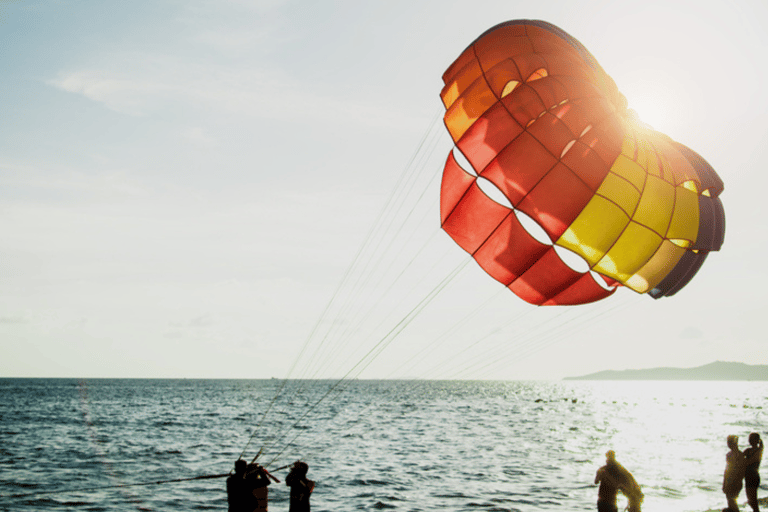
(650, 107)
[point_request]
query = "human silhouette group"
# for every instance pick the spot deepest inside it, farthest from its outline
(741, 471)
(247, 487)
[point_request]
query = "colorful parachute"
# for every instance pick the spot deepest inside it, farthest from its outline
(537, 117)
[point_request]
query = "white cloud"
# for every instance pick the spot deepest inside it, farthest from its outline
(140, 85)
(124, 95)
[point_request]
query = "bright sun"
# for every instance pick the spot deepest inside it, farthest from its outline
(652, 105)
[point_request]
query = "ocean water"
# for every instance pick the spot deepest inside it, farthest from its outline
(68, 444)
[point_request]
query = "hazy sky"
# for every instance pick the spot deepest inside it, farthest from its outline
(183, 185)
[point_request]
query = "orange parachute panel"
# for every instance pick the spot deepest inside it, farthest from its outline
(535, 114)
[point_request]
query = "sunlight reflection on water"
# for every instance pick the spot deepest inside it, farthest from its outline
(669, 430)
(407, 445)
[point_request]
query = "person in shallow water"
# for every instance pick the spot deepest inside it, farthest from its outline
(613, 477)
(734, 473)
(247, 488)
(300, 486)
(753, 455)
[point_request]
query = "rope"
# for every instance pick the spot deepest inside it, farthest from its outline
(117, 486)
(371, 355)
(356, 262)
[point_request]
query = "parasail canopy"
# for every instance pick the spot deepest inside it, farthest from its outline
(541, 123)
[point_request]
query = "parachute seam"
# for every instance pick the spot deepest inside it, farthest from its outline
(674, 201)
(547, 109)
(557, 158)
(466, 191)
(585, 275)
(633, 134)
(474, 181)
(623, 230)
(456, 146)
(566, 284)
(569, 283)
(525, 128)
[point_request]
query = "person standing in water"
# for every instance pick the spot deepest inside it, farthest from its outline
(614, 477)
(734, 473)
(753, 455)
(247, 488)
(300, 486)
(261, 491)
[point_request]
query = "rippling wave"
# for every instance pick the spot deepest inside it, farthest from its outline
(401, 445)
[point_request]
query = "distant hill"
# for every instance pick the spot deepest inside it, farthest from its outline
(718, 370)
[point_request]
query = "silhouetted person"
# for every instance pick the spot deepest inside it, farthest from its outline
(734, 473)
(261, 491)
(247, 488)
(753, 455)
(300, 486)
(614, 477)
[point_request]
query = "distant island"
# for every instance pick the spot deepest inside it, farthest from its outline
(718, 370)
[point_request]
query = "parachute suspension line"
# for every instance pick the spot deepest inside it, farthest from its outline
(383, 254)
(261, 421)
(565, 313)
(404, 183)
(403, 180)
(582, 324)
(472, 346)
(532, 338)
(429, 133)
(424, 352)
(479, 362)
(446, 333)
(372, 236)
(531, 341)
(363, 316)
(382, 275)
(479, 359)
(351, 329)
(378, 252)
(599, 313)
(374, 352)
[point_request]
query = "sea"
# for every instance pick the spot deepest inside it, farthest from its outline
(134, 444)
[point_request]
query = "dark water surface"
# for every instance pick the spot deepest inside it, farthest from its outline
(371, 445)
